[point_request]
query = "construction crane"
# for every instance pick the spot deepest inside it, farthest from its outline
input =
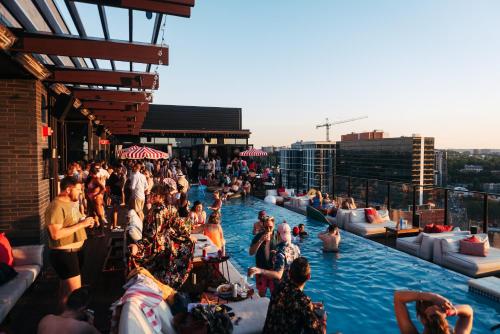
(328, 125)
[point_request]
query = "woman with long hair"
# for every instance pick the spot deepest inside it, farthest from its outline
(213, 230)
(94, 191)
(432, 311)
(198, 216)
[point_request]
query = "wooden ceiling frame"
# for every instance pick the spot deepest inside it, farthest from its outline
(112, 95)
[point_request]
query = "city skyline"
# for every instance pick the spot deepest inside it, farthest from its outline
(421, 67)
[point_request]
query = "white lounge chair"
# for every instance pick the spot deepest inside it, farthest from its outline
(422, 245)
(355, 222)
(446, 253)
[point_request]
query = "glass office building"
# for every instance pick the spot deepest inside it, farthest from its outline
(307, 165)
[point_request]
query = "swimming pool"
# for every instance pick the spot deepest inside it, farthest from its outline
(356, 285)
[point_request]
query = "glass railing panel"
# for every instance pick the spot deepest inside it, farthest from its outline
(494, 220)
(465, 210)
(401, 200)
(430, 205)
(341, 184)
(358, 191)
(377, 193)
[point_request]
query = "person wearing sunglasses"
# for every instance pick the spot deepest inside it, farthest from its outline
(263, 246)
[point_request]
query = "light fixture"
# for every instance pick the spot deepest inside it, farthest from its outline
(84, 111)
(59, 88)
(77, 104)
(32, 66)
(7, 38)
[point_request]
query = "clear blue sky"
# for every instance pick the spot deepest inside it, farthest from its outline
(427, 67)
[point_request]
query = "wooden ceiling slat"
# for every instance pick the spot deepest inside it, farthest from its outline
(71, 46)
(107, 106)
(155, 6)
(103, 78)
(111, 95)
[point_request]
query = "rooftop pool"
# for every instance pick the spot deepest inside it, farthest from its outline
(357, 284)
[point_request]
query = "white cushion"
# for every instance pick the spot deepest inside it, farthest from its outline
(408, 245)
(29, 272)
(357, 217)
(271, 192)
(252, 313)
(32, 254)
(450, 245)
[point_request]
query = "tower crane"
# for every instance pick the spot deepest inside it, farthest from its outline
(328, 125)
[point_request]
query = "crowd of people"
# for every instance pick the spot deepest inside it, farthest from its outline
(160, 224)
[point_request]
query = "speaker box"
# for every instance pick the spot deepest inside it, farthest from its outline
(64, 103)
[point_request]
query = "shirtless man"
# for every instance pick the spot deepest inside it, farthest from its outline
(330, 238)
(75, 319)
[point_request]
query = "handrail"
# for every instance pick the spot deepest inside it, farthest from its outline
(414, 188)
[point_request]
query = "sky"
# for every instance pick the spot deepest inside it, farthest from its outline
(413, 67)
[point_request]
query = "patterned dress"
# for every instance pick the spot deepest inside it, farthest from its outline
(166, 249)
(291, 312)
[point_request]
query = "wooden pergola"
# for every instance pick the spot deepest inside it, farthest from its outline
(36, 35)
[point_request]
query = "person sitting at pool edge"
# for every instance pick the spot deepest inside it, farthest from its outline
(290, 310)
(432, 310)
(330, 238)
(317, 200)
(262, 246)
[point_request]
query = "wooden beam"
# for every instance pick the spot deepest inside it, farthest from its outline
(116, 113)
(73, 46)
(112, 95)
(113, 106)
(164, 7)
(103, 77)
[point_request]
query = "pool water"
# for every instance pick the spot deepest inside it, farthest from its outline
(357, 284)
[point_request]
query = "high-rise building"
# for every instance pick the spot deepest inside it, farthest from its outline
(307, 165)
(441, 168)
(404, 159)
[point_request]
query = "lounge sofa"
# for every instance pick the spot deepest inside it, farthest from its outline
(28, 262)
(446, 254)
(422, 245)
(354, 221)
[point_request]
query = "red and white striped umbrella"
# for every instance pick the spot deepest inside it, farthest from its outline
(138, 152)
(253, 152)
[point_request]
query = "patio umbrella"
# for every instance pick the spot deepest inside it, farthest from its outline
(253, 152)
(138, 152)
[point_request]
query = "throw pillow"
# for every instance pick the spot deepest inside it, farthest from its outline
(6, 273)
(428, 228)
(442, 228)
(473, 246)
(369, 212)
(375, 219)
(6, 250)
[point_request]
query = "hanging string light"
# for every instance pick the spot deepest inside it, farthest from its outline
(160, 53)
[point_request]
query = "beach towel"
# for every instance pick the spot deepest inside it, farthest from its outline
(143, 291)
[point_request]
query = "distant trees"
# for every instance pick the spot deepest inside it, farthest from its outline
(474, 181)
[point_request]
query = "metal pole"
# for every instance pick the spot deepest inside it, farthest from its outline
(414, 206)
(446, 206)
(349, 187)
(333, 186)
(388, 197)
(366, 193)
(485, 213)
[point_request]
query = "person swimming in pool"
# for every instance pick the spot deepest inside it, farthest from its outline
(432, 311)
(330, 238)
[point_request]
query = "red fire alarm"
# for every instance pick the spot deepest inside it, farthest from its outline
(46, 131)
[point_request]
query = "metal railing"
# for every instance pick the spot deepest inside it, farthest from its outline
(423, 204)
